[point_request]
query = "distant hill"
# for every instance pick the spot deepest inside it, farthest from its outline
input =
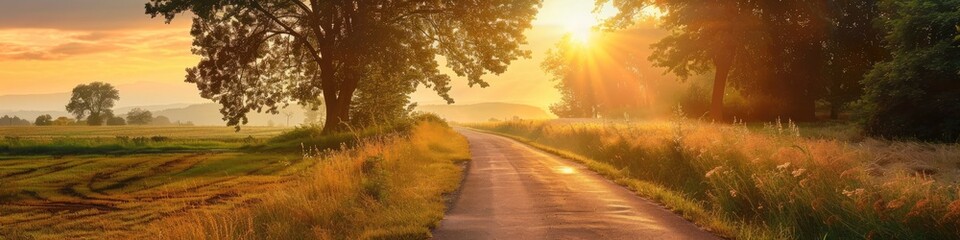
(483, 112)
(208, 114)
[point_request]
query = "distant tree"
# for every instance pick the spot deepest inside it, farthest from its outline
(44, 120)
(261, 55)
(590, 88)
(116, 121)
(288, 114)
(312, 115)
(64, 121)
(160, 120)
(93, 101)
(13, 121)
(916, 93)
(139, 116)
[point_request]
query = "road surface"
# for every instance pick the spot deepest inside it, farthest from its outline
(513, 191)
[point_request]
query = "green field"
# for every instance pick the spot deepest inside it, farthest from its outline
(84, 182)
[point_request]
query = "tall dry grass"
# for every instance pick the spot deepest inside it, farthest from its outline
(386, 188)
(737, 180)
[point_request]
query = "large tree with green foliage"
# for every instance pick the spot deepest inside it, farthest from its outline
(93, 101)
(262, 55)
(916, 93)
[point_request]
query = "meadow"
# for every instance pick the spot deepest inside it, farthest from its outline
(172, 180)
(769, 181)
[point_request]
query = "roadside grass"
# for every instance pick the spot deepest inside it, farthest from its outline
(776, 181)
(389, 187)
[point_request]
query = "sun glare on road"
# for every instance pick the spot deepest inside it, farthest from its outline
(566, 170)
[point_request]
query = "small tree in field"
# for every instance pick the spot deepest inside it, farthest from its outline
(93, 101)
(44, 120)
(64, 121)
(116, 121)
(139, 116)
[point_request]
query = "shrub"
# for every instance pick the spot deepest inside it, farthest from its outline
(916, 94)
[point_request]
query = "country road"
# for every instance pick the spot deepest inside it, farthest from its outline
(513, 191)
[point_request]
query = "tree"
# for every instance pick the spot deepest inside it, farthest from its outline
(597, 79)
(116, 121)
(160, 120)
(262, 55)
(916, 93)
(44, 120)
(312, 115)
(854, 45)
(64, 121)
(13, 121)
(704, 35)
(93, 101)
(139, 116)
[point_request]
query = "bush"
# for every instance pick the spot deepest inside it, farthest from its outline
(116, 121)
(916, 94)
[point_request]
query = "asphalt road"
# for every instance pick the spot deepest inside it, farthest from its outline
(513, 191)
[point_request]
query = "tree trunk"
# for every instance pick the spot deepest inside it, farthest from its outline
(722, 63)
(834, 111)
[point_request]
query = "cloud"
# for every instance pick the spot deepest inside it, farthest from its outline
(78, 15)
(52, 45)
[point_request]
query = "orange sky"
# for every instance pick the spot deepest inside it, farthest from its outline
(49, 46)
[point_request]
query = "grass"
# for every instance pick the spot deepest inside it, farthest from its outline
(112, 197)
(114, 189)
(385, 188)
(772, 181)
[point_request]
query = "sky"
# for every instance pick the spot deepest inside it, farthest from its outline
(50, 46)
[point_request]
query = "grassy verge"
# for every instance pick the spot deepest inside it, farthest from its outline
(770, 183)
(384, 188)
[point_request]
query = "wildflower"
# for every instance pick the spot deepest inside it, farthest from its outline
(895, 204)
(855, 192)
(798, 172)
(733, 193)
(783, 166)
(713, 171)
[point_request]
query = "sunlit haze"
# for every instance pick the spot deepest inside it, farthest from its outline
(51, 46)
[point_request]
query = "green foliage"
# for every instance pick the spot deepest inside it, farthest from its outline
(44, 120)
(916, 94)
(139, 116)
(95, 101)
(116, 121)
(262, 55)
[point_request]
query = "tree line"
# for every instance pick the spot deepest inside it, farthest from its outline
(895, 62)
(92, 104)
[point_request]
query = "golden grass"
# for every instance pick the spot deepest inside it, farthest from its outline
(389, 188)
(773, 182)
(113, 197)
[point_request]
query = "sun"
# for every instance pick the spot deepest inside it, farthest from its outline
(581, 26)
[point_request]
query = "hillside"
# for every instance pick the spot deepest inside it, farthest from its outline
(483, 112)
